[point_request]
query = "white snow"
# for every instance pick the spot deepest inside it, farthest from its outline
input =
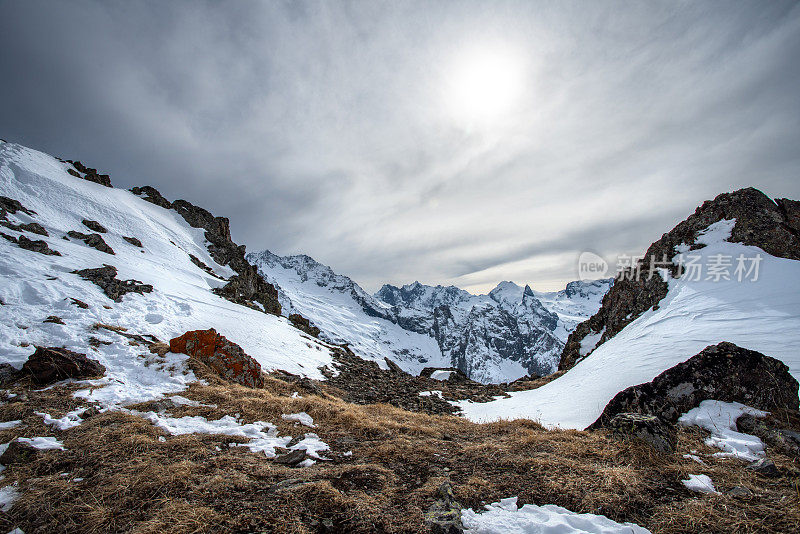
(441, 375)
(719, 418)
(763, 315)
(34, 286)
(43, 443)
(589, 343)
(312, 444)
(302, 418)
(695, 458)
(433, 393)
(505, 517)
(70, 420)
(8, 494)
(700, 483)
(10, 424)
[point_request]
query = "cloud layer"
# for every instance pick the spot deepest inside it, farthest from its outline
(327, 128)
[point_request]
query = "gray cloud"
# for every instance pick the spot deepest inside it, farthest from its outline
(324, 128)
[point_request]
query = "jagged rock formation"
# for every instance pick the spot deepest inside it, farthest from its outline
(87, 173)
(481, 335)
(246, 287)
(771, 225)
(722, 372)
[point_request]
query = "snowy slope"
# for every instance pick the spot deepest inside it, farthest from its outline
(345, 313)
(34, 286)
(762, 315)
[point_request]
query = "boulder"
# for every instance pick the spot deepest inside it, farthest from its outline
(105, 278)
(226, 358)
(723, 372)
(11, 205)
(647, 428)
(764, 467)
(133, 241)
(8, 374)
(51, 364)
(292, 459)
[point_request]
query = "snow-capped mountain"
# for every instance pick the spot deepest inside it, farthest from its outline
(498, 337)
(345, 313)
(647, 325)
(173, 262)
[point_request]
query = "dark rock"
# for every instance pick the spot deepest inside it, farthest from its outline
(456, 375)
(225, 357)
(34, 228)
(444, 515)
(723, 372)
(301, 323)
(90, 412)
(151, 195)
(51, 364)
(771, 226)
(133, 241)
(94, 226)
(18, 452)
(93, 240)
(36, 246)
(197, 261)
(764, 467)
(393, 367)
(247, 286)
(647, 428)
(79, 303)
(54, 319)
(786, 441)
(106, 279)
(292, 459)
(739, 491)
(8, 374)
(87, 173)
(13, 206)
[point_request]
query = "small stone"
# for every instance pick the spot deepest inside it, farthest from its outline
(291, 459)
(647, 428)
(50, 364)
(764, 467)
(54, 319)
(740, 491)
(79, 303)
(133, 241)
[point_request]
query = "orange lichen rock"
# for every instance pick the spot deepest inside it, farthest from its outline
(225, 357)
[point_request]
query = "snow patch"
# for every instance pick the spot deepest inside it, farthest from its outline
(719, 418)
(302, 418)
(700, 484)
(505, 517)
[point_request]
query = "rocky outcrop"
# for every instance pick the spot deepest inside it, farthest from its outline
(133, 241)
(225, 357)
(723, 372)
(151, 195)
(770, 225)
(105, 278)
(95, 241)
(51, 364)
(246, 287)
(12, 206)
(87, 173)
(34, 228)
(38, 245)
(94, 226)
(301, 323)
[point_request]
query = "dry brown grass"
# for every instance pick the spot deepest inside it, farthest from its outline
(132, 482)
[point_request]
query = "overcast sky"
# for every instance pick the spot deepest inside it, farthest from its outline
(341, 130)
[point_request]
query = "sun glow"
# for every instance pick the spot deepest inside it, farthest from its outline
(484, 84)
